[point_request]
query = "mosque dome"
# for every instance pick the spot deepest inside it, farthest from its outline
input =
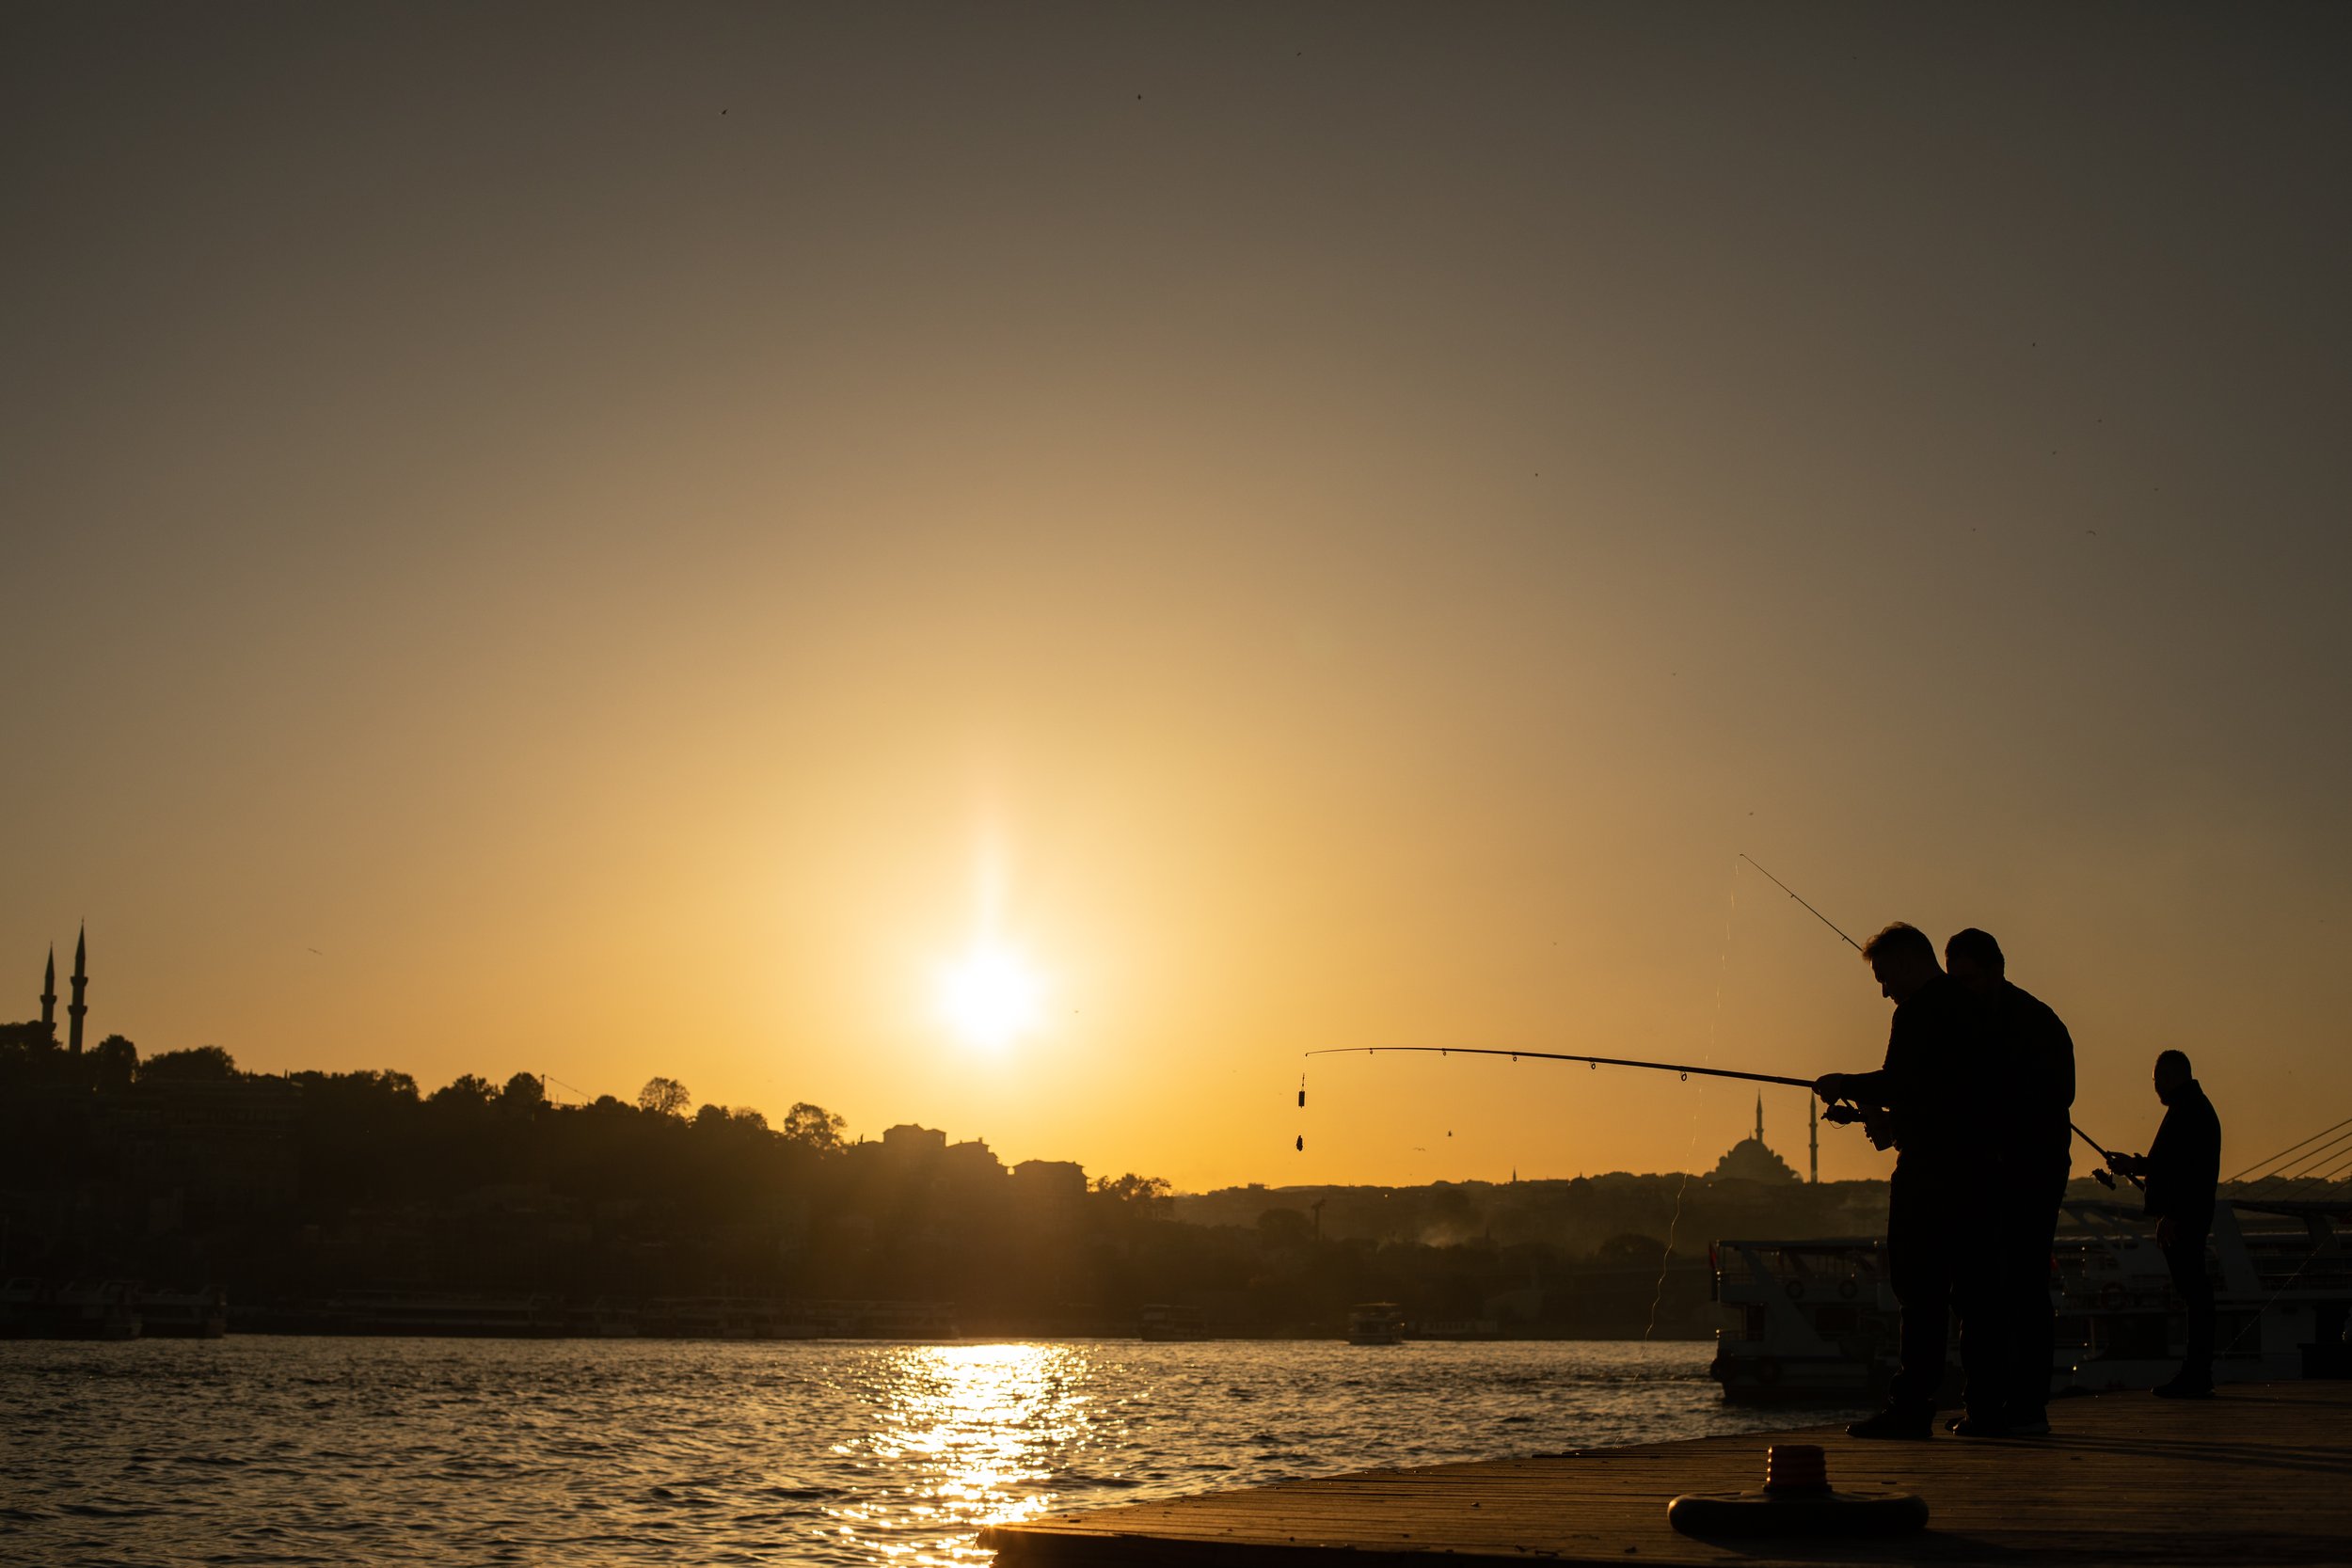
(1749, 1159)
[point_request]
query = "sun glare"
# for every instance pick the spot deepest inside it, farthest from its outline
(990, 997)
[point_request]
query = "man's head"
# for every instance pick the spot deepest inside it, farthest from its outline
(1903, 959)
(2172, 1074)
(1975, 960)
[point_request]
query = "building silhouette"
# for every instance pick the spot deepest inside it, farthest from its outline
(77, 1010)
(1751, 1159)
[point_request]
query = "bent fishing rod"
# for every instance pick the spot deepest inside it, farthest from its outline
(1562, 1056)
(1838, 1113)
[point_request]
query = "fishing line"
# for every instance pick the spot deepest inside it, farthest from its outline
(1714, 1031)
(1808, 908)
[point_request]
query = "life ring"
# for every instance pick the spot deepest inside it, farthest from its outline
(1848, 1290)
(1795, 1288)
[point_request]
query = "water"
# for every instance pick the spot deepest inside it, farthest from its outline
(450, 1453)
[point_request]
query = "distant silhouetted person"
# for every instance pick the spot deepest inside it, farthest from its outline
(2182, 1168)
(1938, 1053)
(2033, 1155)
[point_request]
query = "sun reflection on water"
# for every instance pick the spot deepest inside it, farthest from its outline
(967, 1436)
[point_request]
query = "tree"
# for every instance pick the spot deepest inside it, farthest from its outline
(522, 1094)
(1631, 1247)
(470, 1091)
(812, 1127)
(663, 1097)
(1140, 1195)
(1285, 1227)
(200, 1064)
(710, 1118)
(113, 1064)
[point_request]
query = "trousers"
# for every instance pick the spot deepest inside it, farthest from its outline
(2185, 1257)
(2026, 1231)
(1937, 1236)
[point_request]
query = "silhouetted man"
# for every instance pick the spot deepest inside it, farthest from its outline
(2032, 1140)
(1930, 1088)
(2182, 1168)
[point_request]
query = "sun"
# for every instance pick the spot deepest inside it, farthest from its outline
(990, 997)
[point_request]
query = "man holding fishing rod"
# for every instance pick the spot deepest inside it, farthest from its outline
(1937, 1090)
(2183, 1171)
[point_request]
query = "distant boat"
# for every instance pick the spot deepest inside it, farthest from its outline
(1376, 1323)
(91, 1309)
(1456, 1328)
(183, 1314)
(1167, 1323)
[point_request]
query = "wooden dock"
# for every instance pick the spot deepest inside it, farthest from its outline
(2260, 1475)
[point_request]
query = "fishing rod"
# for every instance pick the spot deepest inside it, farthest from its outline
(1808, 908)
(1840, 1113)
(2106, 1177)
(1561, 1056)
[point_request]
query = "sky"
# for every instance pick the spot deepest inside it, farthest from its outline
(616, 540)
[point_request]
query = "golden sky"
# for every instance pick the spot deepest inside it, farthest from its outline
(614, 540)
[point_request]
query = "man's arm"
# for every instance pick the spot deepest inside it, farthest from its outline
(1863, 1088)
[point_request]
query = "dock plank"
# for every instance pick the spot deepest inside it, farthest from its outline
(2261, 1473)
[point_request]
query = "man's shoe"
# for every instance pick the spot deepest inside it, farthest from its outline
(2185, 1389)
(1980, 1426)
(1910, 1426)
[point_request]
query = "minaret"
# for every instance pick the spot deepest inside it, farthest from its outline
(1813, 1130)
(1759, 1118)
(75, 1009)
(49, 993)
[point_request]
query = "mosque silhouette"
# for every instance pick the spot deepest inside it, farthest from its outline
(1751, 1159)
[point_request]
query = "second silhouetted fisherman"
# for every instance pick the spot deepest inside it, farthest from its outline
(2030, 1147)
(2183, 1168)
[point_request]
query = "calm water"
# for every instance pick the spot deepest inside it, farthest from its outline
(458, 1452)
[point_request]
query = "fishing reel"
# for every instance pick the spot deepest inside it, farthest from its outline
(1874, 1122)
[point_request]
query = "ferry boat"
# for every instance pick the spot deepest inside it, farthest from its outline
(182, 1314)
(79, 1309)
(1456, 1328)
(1165, 1322)
(1376, 1323)
(400, 1313)
(1816, 1320)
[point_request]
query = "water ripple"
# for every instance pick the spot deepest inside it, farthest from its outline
(253, 1451)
